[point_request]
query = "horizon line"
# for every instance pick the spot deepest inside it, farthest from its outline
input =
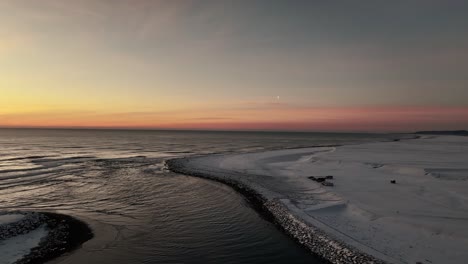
(204, 130)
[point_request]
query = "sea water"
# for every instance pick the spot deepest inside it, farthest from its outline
(117, 182)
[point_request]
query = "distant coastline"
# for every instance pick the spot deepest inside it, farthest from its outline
(444, 133)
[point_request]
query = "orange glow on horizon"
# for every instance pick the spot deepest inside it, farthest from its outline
(276, 117)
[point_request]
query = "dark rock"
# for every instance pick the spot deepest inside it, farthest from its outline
(65, 233)
(317, 179)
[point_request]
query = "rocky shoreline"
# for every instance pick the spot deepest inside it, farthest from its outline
(65, 234)
(324, 246)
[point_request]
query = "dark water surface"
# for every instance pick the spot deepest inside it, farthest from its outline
(116, 181)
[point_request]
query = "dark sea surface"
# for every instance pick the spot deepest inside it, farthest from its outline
(116, 181)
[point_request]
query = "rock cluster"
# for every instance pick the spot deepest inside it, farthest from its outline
(65, 233)
(30, 222)
(315, 240)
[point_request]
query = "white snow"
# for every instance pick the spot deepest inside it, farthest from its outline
(422, 218)
(10, 218)
(13, 249)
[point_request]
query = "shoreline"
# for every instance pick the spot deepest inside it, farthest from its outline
(64, 235)
(310, 237)
(400, 201)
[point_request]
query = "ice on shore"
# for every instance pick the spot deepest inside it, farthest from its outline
(14, 248)
(422, 218)
(10, 218)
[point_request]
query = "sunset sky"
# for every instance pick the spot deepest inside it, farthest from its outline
(236, 65)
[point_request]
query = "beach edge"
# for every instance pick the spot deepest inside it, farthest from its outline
(315, 240)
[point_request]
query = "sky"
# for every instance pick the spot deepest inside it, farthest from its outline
(374, 66)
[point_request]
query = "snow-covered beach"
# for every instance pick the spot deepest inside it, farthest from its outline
(34, 237)
(420, 218)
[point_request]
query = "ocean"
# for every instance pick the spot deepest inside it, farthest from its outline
(117, 182)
